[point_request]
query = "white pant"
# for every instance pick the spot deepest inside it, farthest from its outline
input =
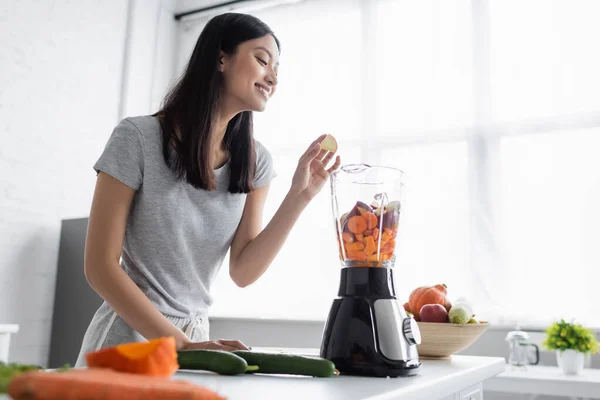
(107, 329)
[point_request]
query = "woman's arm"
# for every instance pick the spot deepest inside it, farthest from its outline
(253, 248)
(104, 242)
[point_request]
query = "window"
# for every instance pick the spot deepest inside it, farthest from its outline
(492, 109)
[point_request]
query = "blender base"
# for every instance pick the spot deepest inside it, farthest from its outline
(365, 331)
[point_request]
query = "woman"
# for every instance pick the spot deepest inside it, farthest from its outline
(176, 190)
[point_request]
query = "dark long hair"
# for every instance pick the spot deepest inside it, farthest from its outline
(187, 116)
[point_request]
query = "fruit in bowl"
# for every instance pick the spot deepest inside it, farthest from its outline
(423, 295)
(433, 313)
(446, 327)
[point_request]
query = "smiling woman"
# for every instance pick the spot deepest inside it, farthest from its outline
(179, 189)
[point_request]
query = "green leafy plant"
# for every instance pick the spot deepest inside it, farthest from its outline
(563, 335)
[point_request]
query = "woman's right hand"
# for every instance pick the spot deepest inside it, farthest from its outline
(221, 344)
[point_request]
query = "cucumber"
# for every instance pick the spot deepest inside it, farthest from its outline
(276, 363)
(219, 361)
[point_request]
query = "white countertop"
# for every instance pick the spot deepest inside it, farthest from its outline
(546, 380)
(437, 379)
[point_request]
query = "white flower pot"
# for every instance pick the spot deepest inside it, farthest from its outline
(570, 361)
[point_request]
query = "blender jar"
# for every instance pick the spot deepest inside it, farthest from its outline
(367, 203)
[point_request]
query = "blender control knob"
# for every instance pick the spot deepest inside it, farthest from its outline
(411, 331)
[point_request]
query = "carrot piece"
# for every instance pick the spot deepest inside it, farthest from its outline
(103, 384)
(356, 246)
(374, 257)
(376, 233)
(391, 232)
(391, 243)
(385, 236)
(156, 357)
(357, 224)
(356, 255)
(385, 257)
(389, 247)
(370, 246)
(371, 220)
(347, 237)
(359, 237)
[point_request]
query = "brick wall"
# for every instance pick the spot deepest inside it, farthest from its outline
(69, 71)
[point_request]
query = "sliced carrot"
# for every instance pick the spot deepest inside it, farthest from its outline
(371, 220)
(376, 233)
(370, 246)
(385, 257)
(359, 237)
(391, 243)
(389, 247)
(374, 257)
(356, 246)
(385, 236)
(357, 224)
(347, 237)
(103, 384)
(356, 255)
(391, 232)
(156, 357)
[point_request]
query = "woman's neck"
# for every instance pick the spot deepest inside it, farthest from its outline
(219, 152)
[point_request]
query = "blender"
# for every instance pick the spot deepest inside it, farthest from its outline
(367, 331)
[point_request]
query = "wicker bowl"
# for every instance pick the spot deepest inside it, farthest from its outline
(441, 340)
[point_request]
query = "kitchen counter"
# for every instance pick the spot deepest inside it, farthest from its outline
(460, 377)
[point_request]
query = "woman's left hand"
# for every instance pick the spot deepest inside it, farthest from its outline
(312, 172)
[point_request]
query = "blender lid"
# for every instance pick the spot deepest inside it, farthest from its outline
(517, 335)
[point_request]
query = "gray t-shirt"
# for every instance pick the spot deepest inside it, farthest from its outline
(176, 236)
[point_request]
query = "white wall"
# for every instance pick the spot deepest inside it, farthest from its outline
(70, 71)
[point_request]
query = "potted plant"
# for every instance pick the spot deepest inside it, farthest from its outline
(572, 342)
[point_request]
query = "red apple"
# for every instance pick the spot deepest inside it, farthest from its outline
(433, 313)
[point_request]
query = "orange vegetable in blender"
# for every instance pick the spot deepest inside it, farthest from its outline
(376, 233)
(359, 237)
(387, 250)
(347, 237)
(391, 244)
(391, 232)
(357, 255)
(371, 220)
(386, 236)
(373, 257)
(357, 224)
(370, 246)
(356, 246)
(158, 357)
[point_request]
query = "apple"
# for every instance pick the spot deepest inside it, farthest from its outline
(329, 144)
(433, 313)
